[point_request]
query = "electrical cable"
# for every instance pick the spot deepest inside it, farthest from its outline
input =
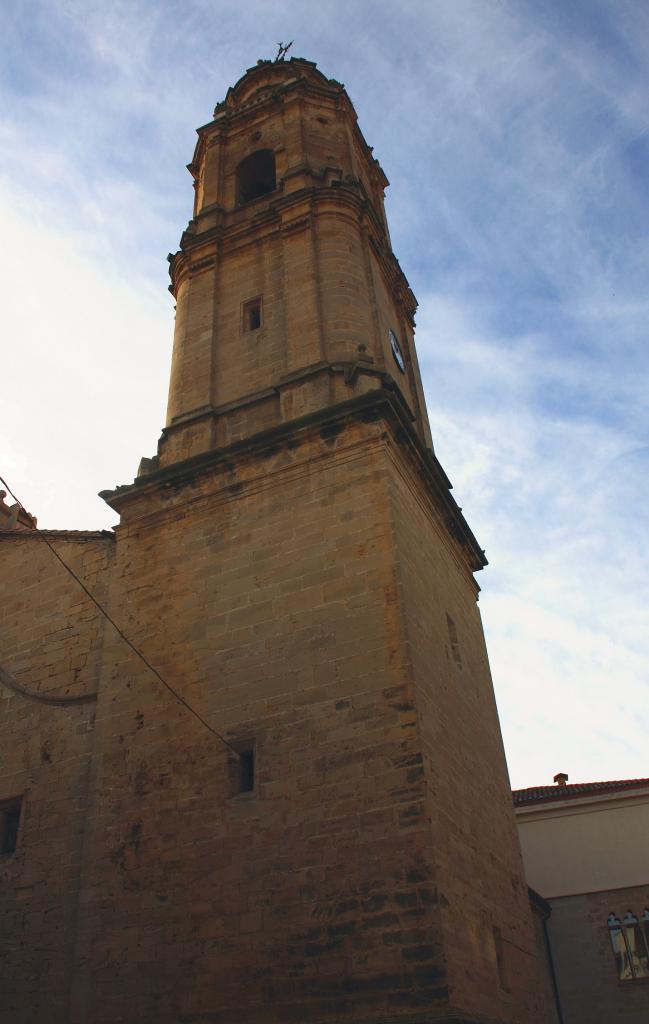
(152, 668)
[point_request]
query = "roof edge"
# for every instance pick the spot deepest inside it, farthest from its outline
(69, 534)
(535, 795)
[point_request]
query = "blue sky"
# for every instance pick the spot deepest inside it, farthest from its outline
(516, 140)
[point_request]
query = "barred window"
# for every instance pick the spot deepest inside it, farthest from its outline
(630, 944)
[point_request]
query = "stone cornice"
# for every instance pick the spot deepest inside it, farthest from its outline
(383, 402)
(235, 231)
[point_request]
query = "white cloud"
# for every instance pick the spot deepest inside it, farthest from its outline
(557, 502)
(85, 370)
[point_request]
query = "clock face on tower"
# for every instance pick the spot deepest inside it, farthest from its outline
(396, 351)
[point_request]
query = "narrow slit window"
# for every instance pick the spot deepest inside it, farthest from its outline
(9, 824)
(252, 315)
(454, 642)
(247, 770)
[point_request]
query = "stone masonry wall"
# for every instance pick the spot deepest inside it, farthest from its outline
(51, 641)
(492, 954)
(293, 598)
(265, 591)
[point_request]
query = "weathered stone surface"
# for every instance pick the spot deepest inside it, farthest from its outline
(288, 564)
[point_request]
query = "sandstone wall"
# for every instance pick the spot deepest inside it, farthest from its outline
(266, 592)
(51, 640)
(492, 955)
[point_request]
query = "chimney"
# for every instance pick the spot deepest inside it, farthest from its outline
(561, 779)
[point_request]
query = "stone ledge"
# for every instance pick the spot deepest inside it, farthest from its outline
(384, 402)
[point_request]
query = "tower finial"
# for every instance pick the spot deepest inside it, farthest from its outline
(282, 50)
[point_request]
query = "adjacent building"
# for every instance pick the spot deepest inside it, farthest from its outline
(586, 851)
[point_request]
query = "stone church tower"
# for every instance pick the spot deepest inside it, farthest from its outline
(293, 563)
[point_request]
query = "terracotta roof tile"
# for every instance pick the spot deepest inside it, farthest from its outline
(543, 794)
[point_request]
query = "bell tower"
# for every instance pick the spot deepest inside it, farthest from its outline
(293, 561)
(289, 298)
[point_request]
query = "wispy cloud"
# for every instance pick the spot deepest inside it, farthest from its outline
(557, 500)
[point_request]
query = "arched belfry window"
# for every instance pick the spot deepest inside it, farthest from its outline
(255, 176)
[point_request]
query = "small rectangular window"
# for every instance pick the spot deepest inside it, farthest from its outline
(243, 768)
(9, 823)
(246, 771)
(252, 315)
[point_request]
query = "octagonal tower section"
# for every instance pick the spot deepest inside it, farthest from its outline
(289, 298)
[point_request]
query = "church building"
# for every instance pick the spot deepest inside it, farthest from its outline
(277, 791)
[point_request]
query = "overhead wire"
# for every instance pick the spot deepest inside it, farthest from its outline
(120, 632)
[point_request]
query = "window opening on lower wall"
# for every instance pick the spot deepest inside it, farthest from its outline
(9, 824)
(246, 771)
(630, 944)
(244, 768)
